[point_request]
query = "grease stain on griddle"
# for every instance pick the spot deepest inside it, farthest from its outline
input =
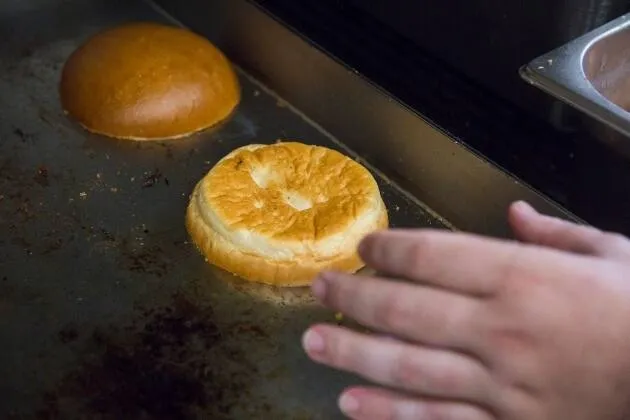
(52, 242)
(152, 260)
(68, 334)
(173, 362)
(134, 251)
(25, 198)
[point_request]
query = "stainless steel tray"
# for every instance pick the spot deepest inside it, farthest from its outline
(590, 73)
(106, 310)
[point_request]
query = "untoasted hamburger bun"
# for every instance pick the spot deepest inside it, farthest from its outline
(281, 213)
(147, 81)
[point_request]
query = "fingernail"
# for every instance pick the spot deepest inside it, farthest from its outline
(319, 286)
(348, 404)
(313, 342)
(524, 207)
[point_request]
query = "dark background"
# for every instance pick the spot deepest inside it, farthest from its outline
(490, 39)
(457, 63)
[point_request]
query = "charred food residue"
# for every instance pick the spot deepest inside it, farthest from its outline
(175, 364)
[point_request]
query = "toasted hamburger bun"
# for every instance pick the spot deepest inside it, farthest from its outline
(147, 81)
(281, 213)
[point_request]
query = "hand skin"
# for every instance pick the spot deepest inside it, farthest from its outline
(484, 329)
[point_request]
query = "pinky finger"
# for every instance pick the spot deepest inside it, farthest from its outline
(367, 403)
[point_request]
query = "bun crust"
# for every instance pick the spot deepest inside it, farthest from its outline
(146, 81)
(281, 213)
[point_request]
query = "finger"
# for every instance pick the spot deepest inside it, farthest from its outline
(418, 313)
(420, 370)
(367, 403)
(460, 262)
(532, 227)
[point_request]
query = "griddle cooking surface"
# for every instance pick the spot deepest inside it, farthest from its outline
(107, 310)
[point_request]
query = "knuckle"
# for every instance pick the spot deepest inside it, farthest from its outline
(411, 372)
(341, 293)
(511, 270)
(445, 381)
(379, 248)
(457, 319)
(509, 341)
(406, 370)
(394, 314)
(333, 294)
(335, 358)
(416, 251)
(340, 352)
(411, 257)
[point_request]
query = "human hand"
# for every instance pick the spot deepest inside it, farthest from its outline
(484, 329)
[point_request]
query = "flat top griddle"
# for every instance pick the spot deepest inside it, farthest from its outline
(106, 309)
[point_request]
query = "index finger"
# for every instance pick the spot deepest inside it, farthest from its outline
(460, 262)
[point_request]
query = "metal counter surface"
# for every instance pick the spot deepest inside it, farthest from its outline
(107, 310)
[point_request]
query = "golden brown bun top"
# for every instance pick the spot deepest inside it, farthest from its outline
(289, 191)
(148, 81)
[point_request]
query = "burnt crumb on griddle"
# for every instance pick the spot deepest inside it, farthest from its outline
(192, 152)
(68, 334)
(19, 187)
(151, 178)
(98, 232)
(41, 177)
(251, 329)
(50, 244)
(147, 260)
(172, 363)
(23, 243)
(107, 235)
(23, 210)
(21, 134)
(135, 254)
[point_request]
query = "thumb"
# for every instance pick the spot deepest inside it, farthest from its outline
(532, 227)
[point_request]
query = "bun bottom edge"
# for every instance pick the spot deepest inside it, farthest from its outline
(149, 139)
(258, 269)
